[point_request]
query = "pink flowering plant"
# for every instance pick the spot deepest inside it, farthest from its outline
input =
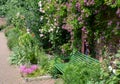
(25, 70)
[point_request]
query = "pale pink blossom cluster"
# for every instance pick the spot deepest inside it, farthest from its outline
(28, 70)
(89, 2)
(118, 12)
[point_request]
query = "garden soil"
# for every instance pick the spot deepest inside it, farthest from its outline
(10, 74)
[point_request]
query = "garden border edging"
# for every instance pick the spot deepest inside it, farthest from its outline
(28, 79)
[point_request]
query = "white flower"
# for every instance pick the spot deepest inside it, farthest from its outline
(48, 7)
(39, 3)
(48, 21)
(41, 35)
(56, 31)
(28, 31)
(40, 9)
(39, 30)
(55, 20)
(114, 62)
(58, 27)
(43, 11)
(114, 71)
(18, 14)
(110, 68)
(51, 29)
(41, 18)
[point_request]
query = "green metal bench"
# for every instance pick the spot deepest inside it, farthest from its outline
(77, 57)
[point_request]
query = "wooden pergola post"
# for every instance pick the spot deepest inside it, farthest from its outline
(85, 45)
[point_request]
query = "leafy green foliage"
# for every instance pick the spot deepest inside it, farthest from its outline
(17, 12)
(13, 34)
(81, 73)
(38, 72)
(2, 7)
(27, 50)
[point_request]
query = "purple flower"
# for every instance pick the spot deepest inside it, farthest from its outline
(26, 70)
(85, 41)
(22, 68)
(69, 30)
(92, 2)
(83, 29)
(64, 27)
(79, 18)
(102, 37)
(67, 4)
(29, 71)
(85, 1)
(77, 5)
(96, 12)
(118, 23)
(34, 67)
(82, 11)
(118, 11)
(71, 33)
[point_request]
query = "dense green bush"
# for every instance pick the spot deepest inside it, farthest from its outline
(17, 12)
(81, 73)
(3, 8)
(26, 51)
(2, 2)
(13, 34)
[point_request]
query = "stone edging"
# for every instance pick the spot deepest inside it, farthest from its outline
(28, 79)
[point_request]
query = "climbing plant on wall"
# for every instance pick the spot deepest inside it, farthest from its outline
(63, 20)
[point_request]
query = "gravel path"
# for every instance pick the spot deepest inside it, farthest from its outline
(9, 74)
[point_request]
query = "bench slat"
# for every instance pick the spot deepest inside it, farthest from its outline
(76, 58)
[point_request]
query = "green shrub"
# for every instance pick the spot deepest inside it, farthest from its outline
(17, 12)
(27, 50)
(13, 34)
(2, 8)
(81, 73)
(2, 2)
